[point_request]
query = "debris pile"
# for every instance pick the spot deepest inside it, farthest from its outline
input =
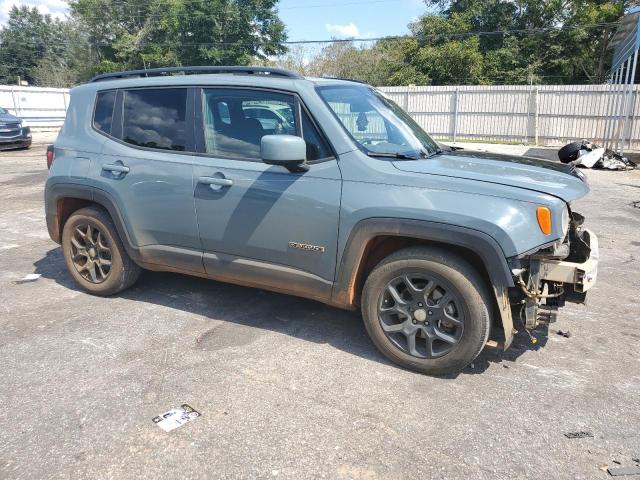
(590, 155)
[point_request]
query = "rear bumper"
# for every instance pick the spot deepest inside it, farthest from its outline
(579, 277)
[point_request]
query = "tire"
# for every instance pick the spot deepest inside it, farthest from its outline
(569, 152)
(95, 224)
(449, 274)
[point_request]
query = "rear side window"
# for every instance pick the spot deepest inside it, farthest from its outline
(103, 114)
(155, 118)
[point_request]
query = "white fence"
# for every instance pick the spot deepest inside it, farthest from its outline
(38, 107)
(541, 115)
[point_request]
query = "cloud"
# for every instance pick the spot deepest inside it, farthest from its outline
(350, 30)
(56, 8)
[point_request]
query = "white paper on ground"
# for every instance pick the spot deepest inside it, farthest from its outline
(32, 277)
(176, 417)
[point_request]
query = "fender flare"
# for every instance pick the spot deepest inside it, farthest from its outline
(56, 191)
(480, 243)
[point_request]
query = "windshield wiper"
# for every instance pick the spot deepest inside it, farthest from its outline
(433, 154)
(399, 156)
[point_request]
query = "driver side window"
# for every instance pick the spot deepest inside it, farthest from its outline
(235, 120)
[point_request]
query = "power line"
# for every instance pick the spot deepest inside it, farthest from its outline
(360, 40)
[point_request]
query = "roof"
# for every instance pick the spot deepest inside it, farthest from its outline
(233, 76)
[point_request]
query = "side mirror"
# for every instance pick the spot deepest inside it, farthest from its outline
(287, 151)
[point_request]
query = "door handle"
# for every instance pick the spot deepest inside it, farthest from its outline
(116, 169)
(216, 181)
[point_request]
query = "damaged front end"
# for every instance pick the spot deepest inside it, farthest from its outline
(550, 277)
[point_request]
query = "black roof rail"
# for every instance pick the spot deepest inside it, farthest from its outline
(236, 70)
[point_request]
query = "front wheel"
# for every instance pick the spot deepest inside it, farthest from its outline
(427, 310)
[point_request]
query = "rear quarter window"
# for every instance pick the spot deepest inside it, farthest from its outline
(155, 118)
(103, 113)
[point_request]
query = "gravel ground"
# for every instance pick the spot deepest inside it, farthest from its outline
(289, 388)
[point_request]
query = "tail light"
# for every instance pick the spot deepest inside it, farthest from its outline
(50, 155)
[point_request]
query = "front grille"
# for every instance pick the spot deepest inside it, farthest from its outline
(8, 130)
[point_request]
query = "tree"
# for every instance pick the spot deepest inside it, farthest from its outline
(549, 42)
(440, 58)
(343, 59)
(28, 37)
(142, 33)
(538, 41)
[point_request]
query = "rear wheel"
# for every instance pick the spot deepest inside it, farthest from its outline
(427, 310)
(94, 254)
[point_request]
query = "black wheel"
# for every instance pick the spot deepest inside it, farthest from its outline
(569, 152)
(427, 310)
(94, 254)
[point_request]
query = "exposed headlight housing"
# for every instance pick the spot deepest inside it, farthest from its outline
(566, 219)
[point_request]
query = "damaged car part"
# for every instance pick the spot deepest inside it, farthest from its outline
(590, 155)
(557, 274)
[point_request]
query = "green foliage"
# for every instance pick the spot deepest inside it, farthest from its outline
(27, 38)
(548, 41)
(110, 35)
(444, 48)
(142, 33)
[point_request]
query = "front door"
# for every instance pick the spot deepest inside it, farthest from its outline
(259, 223)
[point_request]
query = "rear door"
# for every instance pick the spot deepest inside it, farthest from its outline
(258, 218)
(147, 167)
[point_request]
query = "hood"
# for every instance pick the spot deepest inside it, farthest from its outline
(553, 178)
(8, 118)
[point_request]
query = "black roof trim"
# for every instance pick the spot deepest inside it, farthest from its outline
(236, 70)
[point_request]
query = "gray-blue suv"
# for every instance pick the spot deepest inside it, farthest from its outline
(321, 188)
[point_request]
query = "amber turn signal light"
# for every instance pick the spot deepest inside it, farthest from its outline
(544, 219)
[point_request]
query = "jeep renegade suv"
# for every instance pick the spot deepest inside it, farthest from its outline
(338, 196)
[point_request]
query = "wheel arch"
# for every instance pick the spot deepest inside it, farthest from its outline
(373, 239)
(61, 200)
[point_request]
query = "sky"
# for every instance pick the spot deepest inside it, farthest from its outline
(56, 8)
(306, 19)
(323, 19)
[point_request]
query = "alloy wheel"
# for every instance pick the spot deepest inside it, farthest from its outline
(90, 253)
(421, 315)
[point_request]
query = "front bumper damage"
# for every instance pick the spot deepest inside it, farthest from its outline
(581, 276)
(547, 279)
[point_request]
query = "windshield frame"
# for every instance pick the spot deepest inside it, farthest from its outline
(429, 148)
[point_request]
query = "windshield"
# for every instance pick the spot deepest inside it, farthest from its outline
(377, 123)
(2, 111)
